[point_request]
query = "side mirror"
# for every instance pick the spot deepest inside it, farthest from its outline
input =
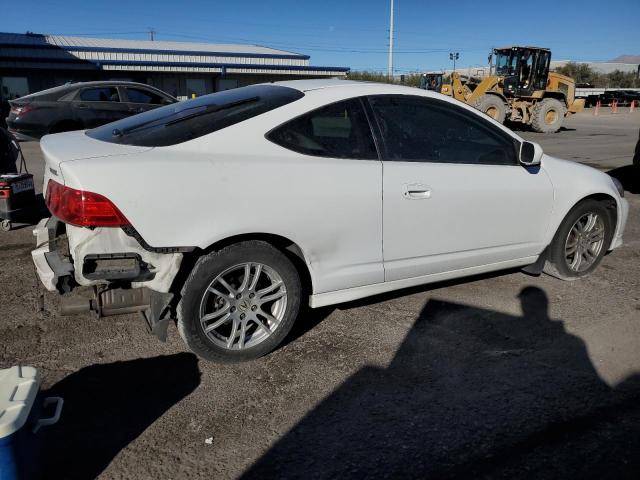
(530, 154)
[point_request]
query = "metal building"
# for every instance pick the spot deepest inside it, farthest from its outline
(32, 62)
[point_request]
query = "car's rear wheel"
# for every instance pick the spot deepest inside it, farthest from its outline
(581, 241)
(239, 303)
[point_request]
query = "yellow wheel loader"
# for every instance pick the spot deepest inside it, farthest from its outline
(520, 90)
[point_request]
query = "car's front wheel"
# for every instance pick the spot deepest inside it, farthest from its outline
(239, 303)
(581, 241)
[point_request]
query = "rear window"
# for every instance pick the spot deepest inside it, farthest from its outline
(183, 121)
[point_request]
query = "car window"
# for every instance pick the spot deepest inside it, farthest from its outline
(100, 94)
(184, 121)
(138, 95)
(339, 130)
(418, 129)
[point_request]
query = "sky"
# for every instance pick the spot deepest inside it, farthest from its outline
(354, 33)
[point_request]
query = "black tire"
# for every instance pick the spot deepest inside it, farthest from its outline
(493, 106)
(207, 268)
(557, 264)
(548, 115)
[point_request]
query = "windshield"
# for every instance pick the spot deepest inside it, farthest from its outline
(183, 121)
(506, 63)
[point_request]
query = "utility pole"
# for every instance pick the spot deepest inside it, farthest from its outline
(390, 67)
(152, 34)
(454, 56)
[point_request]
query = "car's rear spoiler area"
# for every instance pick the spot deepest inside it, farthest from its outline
(64, 147)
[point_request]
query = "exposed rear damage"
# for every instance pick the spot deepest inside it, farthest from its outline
(126, 277)
(88, 242)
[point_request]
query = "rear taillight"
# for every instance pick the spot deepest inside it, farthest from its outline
(22, 109)
(83, 209)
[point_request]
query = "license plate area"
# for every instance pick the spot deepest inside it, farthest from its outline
(22, 185)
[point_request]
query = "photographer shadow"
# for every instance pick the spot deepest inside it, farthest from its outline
(470, 393)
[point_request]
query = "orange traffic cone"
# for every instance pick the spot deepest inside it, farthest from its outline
(597, 109)
(614, 106)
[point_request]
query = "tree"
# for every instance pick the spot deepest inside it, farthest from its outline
(583, 73)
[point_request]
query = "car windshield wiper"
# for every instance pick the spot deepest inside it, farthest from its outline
(201, 111)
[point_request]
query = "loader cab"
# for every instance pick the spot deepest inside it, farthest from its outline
(431, 81)
(524, 70)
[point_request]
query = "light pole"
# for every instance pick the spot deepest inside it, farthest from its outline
(390, 66)
(454, 56)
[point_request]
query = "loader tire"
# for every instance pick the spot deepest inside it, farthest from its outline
(548, 115)
(493, 106)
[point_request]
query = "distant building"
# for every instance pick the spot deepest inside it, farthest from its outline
(32, 62)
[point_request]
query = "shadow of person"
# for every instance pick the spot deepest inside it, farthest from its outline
(470, 393)
(107, 406)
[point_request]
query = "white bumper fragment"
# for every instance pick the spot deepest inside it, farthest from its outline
(43, 269)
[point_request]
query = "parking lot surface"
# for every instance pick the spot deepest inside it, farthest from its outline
(505, 375)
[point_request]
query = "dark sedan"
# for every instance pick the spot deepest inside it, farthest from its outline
(78, 106)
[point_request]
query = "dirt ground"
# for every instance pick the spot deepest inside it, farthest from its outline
(505, 375)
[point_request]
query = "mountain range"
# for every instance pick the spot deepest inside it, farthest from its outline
(626, 59)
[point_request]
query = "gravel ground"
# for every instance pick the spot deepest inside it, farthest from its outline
(505, 375)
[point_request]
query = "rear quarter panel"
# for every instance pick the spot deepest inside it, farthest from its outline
(235, 182)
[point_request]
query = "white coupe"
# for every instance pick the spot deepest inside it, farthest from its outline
(227, 212)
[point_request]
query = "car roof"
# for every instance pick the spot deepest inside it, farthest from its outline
(316, 84)
(99, 83)
(69, 87)
(366, 88)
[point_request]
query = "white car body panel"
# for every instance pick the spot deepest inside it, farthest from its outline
(343, 214)
(473, 215)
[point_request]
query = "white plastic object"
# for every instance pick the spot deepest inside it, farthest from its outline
(45, 422)
(18, 389)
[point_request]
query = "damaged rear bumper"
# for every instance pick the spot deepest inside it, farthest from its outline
(99, 256)
(127, 277)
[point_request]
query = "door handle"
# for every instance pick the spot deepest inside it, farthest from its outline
(416, 191)
(82, 105)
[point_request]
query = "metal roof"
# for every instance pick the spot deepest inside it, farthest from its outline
(56, 51)
(111, 44)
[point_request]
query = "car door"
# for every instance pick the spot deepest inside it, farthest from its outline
(341, 198)
(455, 195)
(141, 99)
(95, 106)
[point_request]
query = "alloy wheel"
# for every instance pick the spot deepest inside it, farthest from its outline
(243, 306)
(584, 242)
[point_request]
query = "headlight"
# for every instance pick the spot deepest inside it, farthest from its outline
(618, 185)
